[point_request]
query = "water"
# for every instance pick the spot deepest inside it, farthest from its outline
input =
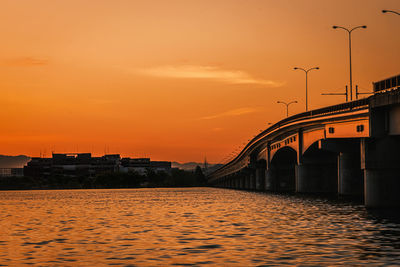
(199, 226)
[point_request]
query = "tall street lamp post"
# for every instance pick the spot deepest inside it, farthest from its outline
(306, 72)
(351, 74)
(287, 106)
(390, 11)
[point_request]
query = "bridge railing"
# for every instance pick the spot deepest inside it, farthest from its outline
(339, 108)
(343, 107)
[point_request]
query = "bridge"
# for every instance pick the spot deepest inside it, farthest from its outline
(351, 149)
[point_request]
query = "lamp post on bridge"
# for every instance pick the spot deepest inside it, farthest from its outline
(287, 106)
(306, 72)
(390, 11)
(349, 32)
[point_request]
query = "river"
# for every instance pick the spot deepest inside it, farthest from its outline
(189, 226)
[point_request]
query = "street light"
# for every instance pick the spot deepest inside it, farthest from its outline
(350, 31)
(287, 106)
(346, 93)
(390, 11)
(306, 72)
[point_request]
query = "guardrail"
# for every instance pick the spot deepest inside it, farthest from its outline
(349, 106)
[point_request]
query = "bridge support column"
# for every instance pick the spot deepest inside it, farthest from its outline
(382, 188)
(260, 179)
(280, 178)
(350, 175)
(270, 180)
(247, 182)
(381, 162)
(260, 175)
(240, 181)
(308, 178)
(317, 175)
(252, 180)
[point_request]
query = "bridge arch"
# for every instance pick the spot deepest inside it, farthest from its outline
(311, 137)
(317, 170)
(282, 170)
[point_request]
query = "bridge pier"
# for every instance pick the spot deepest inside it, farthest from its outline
(247, 182)
(260, 179)
(350, 175)
(252, 178)
(281, 171)
(241, 186)
(315, 178)
(260, 175)
(270, 179)
(285, 178)
(381, 163)
(307, 177)
(236, 182)
(350, 179)
(382, 188)
(317, 174)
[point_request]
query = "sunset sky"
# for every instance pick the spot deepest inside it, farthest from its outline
(177, 80)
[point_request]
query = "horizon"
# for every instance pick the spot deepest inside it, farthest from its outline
(177, 81)
(176, 162)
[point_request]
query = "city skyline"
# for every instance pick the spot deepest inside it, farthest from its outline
(177, 80)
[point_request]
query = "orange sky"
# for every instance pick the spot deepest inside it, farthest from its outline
(176, 80)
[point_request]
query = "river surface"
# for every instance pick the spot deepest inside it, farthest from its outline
(189, 226)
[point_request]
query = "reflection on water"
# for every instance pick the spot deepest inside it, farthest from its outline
(200, 226)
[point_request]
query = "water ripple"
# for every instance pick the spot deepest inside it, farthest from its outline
(190, 227)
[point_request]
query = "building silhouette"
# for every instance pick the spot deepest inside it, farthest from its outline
(83, 164)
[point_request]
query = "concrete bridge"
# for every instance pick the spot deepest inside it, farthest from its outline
(350, 149)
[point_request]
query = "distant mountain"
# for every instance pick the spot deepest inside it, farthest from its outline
(189, 166)
(13, 161)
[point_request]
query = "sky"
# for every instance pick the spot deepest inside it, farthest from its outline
(177, 80)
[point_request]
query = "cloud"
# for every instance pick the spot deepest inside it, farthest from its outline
(207, 72)
(26, 61)
(230, 113)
